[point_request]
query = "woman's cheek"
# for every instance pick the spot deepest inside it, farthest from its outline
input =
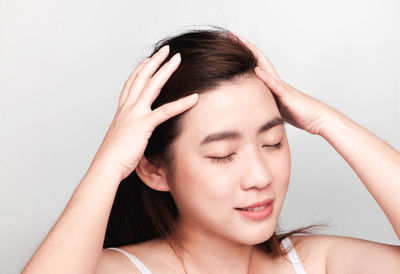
(195, 183)
(286, 170)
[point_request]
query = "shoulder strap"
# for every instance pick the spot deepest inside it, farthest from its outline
(135, 260)
(298, 267)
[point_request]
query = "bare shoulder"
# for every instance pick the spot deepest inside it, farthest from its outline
(112, 261)
(341, 254)
(312, 251)
(154, 254)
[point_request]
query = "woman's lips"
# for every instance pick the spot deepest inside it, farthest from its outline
(260, 211)
(265, 202)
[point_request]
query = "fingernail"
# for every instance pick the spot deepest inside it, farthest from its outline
(164, 48)
(176, 57)
(193, 97)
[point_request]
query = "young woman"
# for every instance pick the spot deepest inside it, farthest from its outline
(188, 183)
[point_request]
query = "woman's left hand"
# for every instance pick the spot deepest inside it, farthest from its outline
(296, 107)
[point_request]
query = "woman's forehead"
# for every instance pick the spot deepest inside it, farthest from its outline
(237, 104)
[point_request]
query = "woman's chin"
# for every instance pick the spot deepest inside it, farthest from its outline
(256, 237)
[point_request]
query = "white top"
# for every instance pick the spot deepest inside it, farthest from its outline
(294, 259)
(135, 260)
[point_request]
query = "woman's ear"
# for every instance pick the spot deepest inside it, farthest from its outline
(154, 175)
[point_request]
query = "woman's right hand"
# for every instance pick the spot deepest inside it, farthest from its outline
(127, 138)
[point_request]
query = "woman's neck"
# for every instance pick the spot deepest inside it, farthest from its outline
(202, 251)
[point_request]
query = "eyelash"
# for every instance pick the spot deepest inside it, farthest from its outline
(229, 158)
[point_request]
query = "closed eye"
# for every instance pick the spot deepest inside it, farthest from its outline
(220, 160)
(229, 158)
(276, 146)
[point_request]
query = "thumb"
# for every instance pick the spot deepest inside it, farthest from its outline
(274, 84)
(168, 110)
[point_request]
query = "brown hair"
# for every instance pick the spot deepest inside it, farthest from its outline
(209, 58)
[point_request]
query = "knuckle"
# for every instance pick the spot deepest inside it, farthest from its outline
(126, 84)
(276, 82)
(152, 85)
(166, 110)
(141, 73)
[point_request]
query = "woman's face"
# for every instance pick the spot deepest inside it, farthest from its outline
(206, 190)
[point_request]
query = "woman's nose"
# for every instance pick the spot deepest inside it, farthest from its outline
(257, 173)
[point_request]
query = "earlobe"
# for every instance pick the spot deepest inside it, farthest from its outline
(153, 175)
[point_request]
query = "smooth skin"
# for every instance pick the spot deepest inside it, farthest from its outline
(74, 245)
(376, 163)
(75, 242)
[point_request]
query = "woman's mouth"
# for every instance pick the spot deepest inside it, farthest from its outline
(254, 208)
(258, 211)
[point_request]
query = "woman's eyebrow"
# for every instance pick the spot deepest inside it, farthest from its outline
(224, 135)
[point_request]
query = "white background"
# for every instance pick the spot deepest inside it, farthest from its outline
(63, 64)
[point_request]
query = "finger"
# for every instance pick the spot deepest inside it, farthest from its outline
(154, 86)
(128, 83)
(262, 59)
(273, 83)
(168, 110)
(146, 73)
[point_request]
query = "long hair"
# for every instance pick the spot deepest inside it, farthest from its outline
(210, 58)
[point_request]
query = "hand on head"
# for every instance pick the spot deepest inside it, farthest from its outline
(133, 124)
(297, 108)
